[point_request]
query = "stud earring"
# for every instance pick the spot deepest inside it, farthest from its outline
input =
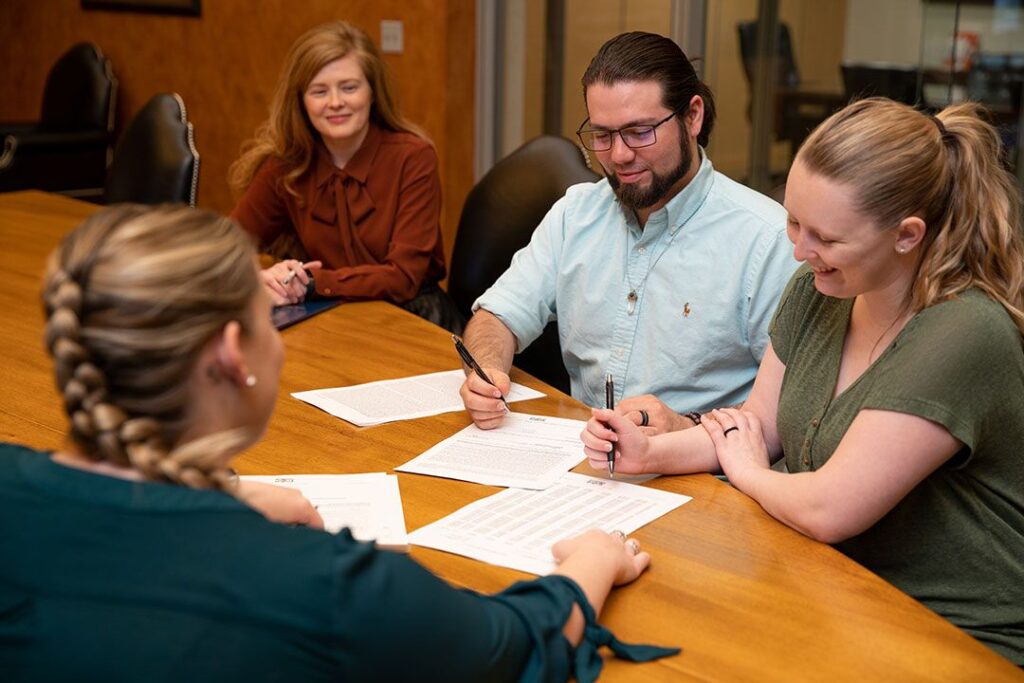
(901, 250)
(250, 380)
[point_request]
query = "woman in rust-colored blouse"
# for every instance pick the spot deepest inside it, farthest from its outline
(336, 169)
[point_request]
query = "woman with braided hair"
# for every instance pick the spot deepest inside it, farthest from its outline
(133, 553)
(893, 387)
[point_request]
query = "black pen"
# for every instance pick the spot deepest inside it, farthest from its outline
(468, 359)
(609, 403)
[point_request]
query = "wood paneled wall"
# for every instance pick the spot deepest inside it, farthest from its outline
(225, 63)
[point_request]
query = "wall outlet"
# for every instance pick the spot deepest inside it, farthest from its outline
(392, 36)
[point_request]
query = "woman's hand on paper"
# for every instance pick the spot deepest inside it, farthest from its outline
(621, 555)
(279, 504)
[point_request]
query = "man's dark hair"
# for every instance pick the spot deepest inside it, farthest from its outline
(640, 56)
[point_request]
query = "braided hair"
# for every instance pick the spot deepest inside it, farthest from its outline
(131, 297)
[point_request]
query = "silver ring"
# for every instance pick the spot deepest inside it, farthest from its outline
(644, 418)
(619, 535)
(730, 429)
(633, 545)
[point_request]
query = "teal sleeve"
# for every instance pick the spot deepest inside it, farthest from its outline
(403, 623)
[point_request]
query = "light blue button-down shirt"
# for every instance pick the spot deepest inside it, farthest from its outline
(708, 270)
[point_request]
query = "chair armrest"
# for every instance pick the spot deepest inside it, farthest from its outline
(36, 143)
(33, 140)
(17, 127)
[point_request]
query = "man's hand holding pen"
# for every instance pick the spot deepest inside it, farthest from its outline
(483, 400)
(484, 390)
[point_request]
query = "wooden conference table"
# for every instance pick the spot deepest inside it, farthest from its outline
(747, 598)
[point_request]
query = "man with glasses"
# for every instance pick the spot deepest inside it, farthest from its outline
(663, 275)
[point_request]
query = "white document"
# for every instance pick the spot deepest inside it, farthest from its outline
(370, 505)
(399, 399)
(526, 451)
(516, 528)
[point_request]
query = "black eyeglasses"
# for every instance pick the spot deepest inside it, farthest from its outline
(634, 137)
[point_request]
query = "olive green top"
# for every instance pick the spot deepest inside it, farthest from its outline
(956, 542)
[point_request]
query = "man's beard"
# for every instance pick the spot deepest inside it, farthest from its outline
(634, 197)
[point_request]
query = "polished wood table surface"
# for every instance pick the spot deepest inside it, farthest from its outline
(747, 598)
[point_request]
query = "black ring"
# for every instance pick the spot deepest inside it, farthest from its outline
(730, 429)
(644, 418)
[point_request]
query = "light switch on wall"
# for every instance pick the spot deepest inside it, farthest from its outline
(391, 36)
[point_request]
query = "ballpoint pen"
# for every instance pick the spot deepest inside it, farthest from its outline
(291, 273)
(609, 403)
(468, 359)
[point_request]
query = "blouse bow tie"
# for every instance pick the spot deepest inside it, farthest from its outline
(332, 205)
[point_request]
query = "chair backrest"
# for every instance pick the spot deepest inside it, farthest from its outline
(499, 217)
(155, 160)
(885, 80)
(80, 92)
(786, 71)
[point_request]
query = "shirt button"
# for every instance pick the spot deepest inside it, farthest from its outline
(814, 422)
(327, 290)
(618, 353)
(806, 462)
(641, 249)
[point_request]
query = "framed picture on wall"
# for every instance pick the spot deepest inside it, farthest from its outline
(186, 7)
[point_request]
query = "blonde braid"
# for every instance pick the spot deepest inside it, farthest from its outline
(131, 297)
(94, 421)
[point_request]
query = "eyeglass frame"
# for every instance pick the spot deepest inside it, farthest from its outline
(613, 131)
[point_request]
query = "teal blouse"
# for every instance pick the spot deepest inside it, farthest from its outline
(107, 579)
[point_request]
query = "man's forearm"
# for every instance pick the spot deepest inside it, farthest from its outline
(491, 343)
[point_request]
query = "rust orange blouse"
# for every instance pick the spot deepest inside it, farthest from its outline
(375, 224)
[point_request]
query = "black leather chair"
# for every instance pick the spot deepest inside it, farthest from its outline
(499, 217)
(68, 149)
(155, 160)
(883, 80)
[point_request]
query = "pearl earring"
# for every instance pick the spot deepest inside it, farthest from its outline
(901, 250)
(250, 381)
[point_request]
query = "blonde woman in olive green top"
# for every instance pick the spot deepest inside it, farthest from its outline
(894, 383)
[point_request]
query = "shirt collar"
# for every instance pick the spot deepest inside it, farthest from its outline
(358, 167)
(680, 208)
(686, 202)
